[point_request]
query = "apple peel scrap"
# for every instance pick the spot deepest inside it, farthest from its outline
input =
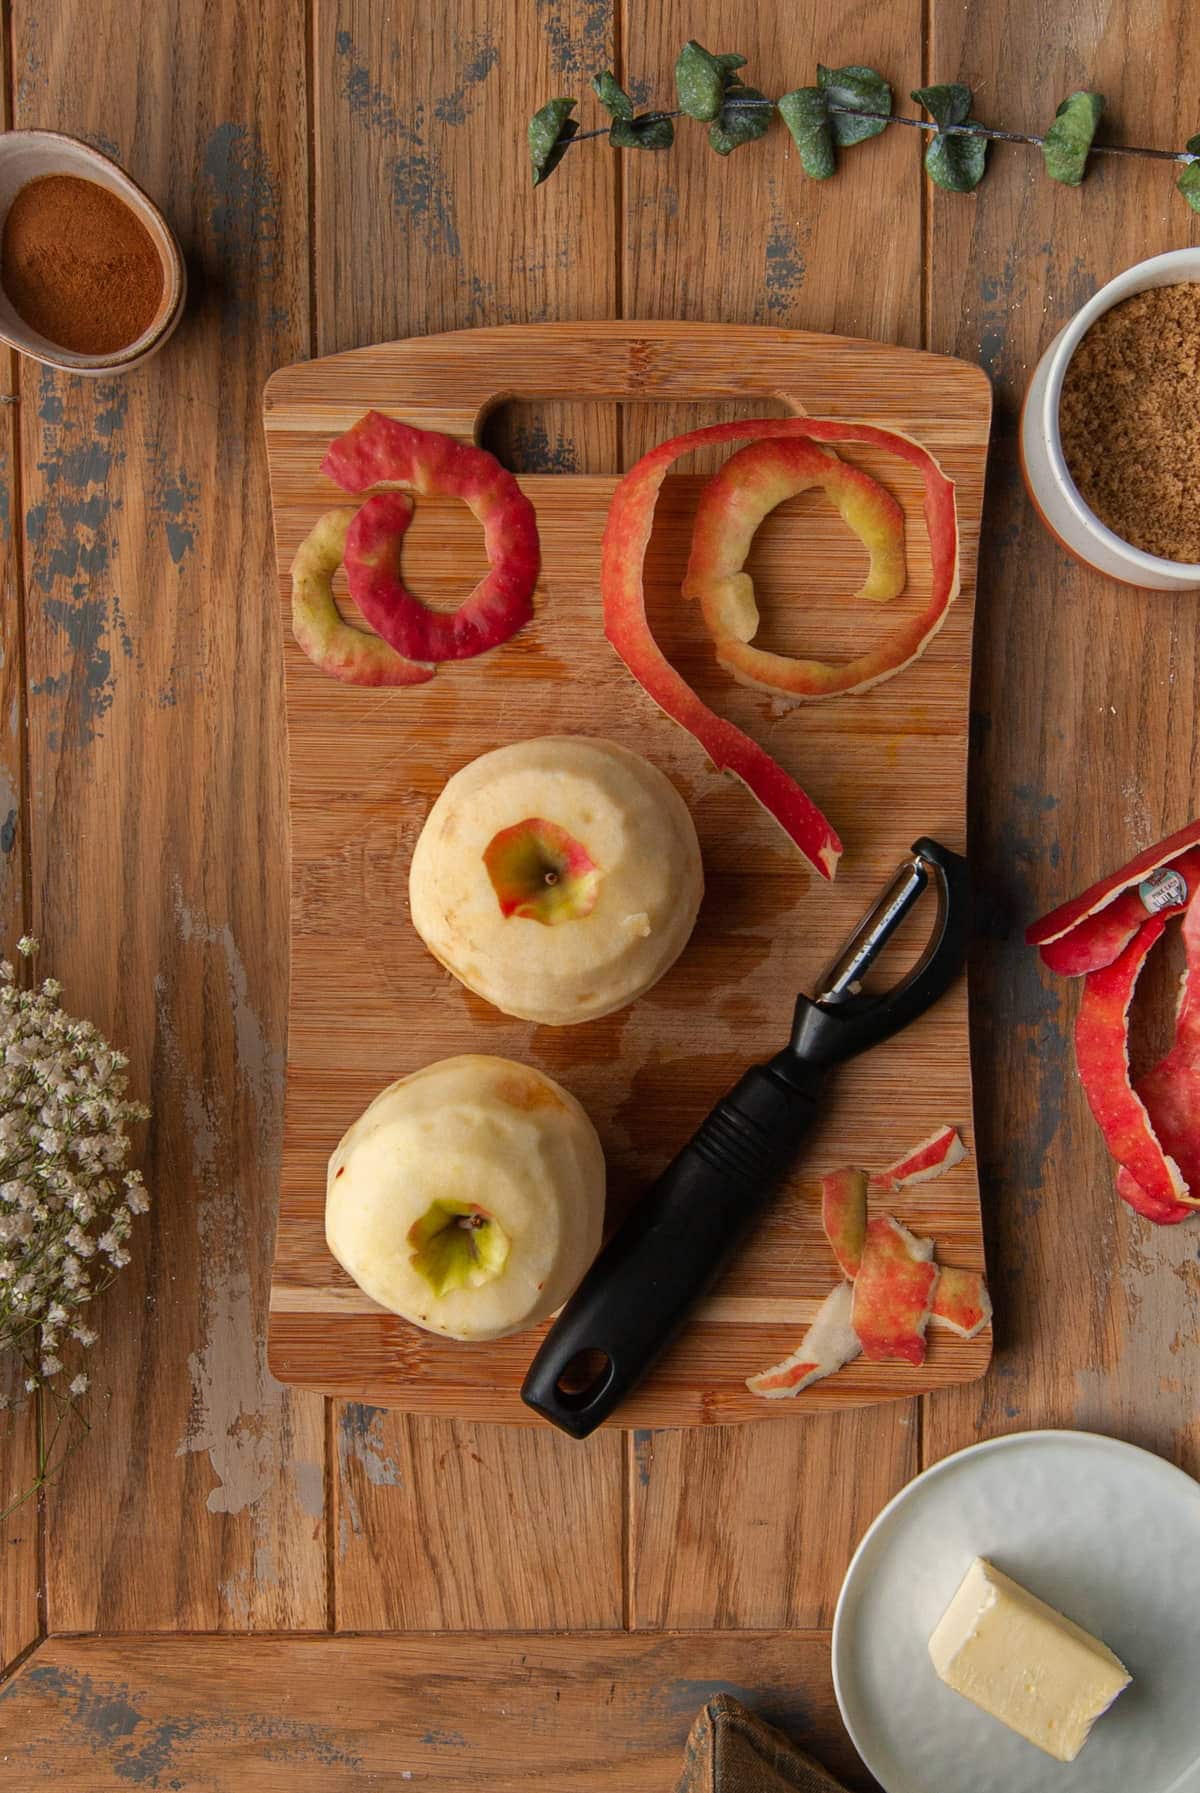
(734, 503)
(1102, 1058)
(893, 1293)
(932, 1158)
(829, 1344)
(623, 554)
(844, 1217)
(331, 643)
(892, 1288)
(381, 450)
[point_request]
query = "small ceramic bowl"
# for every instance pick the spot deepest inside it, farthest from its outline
(1054, 493)
(26, 156)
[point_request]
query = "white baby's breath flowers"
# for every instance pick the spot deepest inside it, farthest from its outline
(66, 1201)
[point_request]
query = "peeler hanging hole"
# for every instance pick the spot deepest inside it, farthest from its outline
(584, 1377)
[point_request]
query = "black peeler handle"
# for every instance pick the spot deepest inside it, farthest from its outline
(677, 1240)
(637, 1295)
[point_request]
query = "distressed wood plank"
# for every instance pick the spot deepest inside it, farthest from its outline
(425, 221)
(481, 1715)
(19, 1534)
(157, 812)
(750, 239)
(1086, 741)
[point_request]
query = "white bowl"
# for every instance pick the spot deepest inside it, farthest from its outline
(1054, 493)
(26, 156)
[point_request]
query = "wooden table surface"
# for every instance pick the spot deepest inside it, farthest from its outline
(342, 172)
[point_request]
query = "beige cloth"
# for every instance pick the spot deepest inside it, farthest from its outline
(732, 1751)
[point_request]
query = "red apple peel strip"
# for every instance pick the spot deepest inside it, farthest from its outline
(1098, 938)
(937, 1154)
(1060, 921)
(381, 450)
(1171, 1091)
(893, 1293)
(1102, 1058)
(623, 554)
(961, 1302)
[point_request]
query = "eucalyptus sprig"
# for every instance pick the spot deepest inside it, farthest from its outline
(844, 107)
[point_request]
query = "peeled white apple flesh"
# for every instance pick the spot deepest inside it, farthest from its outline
(558, 878)
(469, 1197)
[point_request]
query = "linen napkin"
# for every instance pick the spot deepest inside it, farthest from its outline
(731, 1751)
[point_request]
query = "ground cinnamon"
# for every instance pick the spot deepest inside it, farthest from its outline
(79, 265)
(1130, 420)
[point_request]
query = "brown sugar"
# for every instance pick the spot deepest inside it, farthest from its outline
(1130, 420)
(79, 265)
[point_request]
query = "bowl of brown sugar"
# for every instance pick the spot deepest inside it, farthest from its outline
(92, 278)
(1110, 430)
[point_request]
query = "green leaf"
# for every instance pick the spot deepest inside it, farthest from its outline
(612, 95)
(737, 123)
(864, 89)
(700, 80)
(730, 60)
(957, 162)
(1189, 181)
(805, 112)
(650, 131)
(1192, 145)
(550, 130)
(1067, 142)
(948, 104)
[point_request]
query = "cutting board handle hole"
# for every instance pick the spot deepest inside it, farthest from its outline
(544, 435)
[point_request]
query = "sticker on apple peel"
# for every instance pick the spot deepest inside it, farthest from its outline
(1163, 889)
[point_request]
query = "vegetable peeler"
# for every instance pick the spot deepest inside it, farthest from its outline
(636, 1297)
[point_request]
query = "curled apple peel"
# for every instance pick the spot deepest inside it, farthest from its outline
(1068, 917)
(381, 450)
(1170, 1092)
(1102, 1058)
(732, 506)
(622, 563)
(331, 643)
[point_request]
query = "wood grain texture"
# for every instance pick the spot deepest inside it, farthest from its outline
(443, 1524)
(367, 1002)
(425, 221)
(156, 806)
(581, 1714)
(20, 1533)
(1085, 732)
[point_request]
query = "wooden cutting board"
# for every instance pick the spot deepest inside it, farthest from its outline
(368, 1004)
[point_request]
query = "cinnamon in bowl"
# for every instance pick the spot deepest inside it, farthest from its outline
(92, 277)
(79, 266)
(1129, 418)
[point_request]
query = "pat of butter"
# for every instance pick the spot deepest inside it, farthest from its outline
(1016, 1658)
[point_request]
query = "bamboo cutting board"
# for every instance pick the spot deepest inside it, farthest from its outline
(368, 1004)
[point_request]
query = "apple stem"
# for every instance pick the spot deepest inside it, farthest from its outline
(551, 878)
